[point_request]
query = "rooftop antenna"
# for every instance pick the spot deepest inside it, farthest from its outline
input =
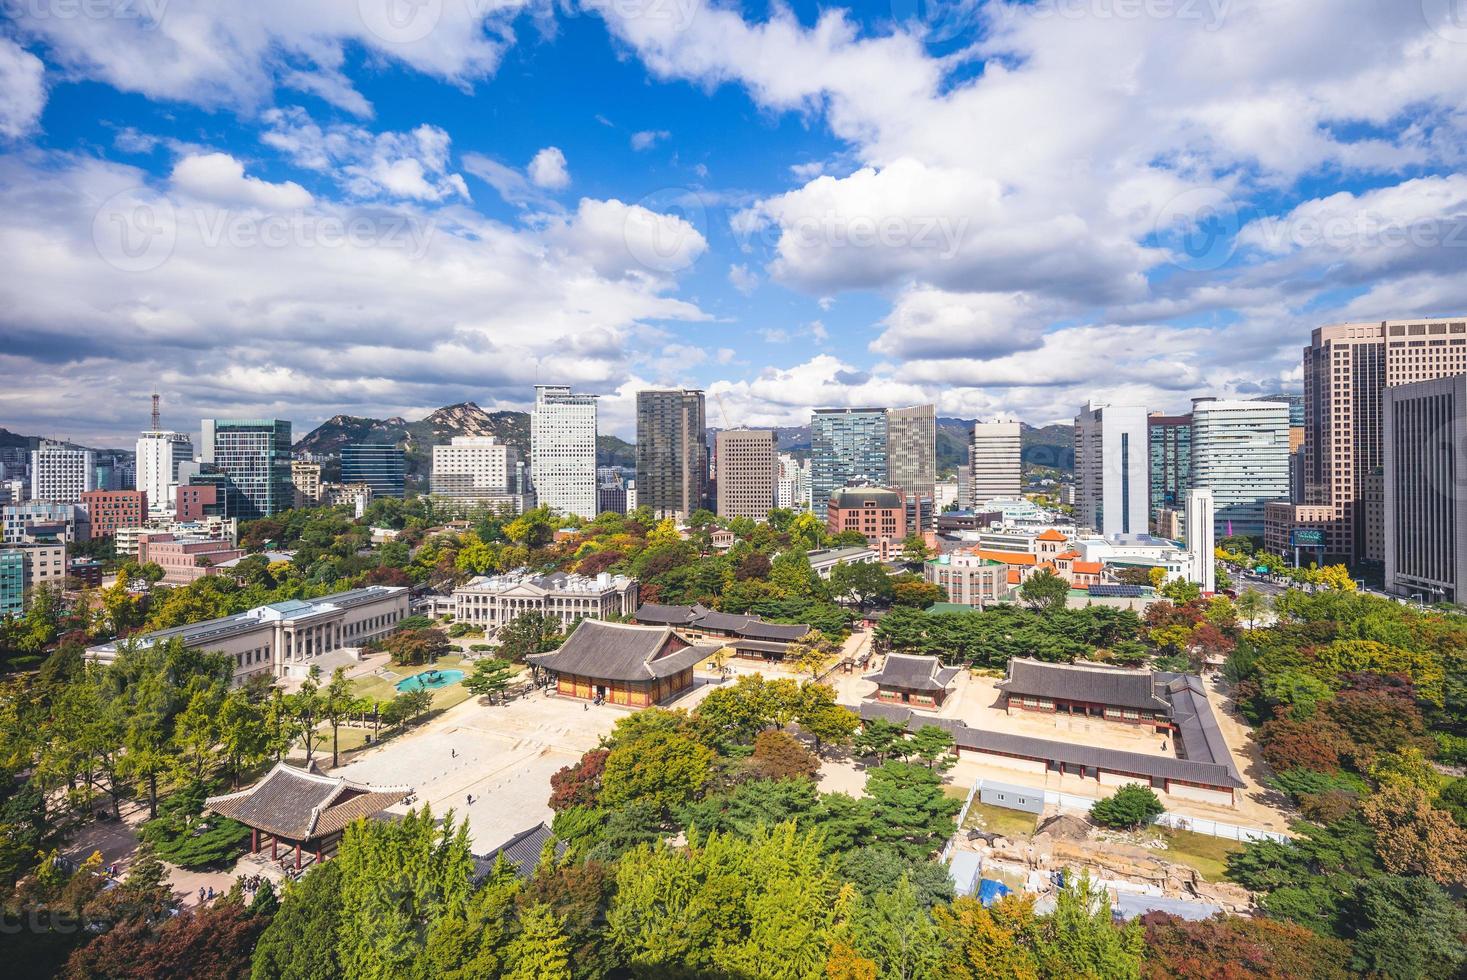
(157, 421)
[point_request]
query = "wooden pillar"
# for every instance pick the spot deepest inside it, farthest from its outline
(254, 839)
(318, 852)
(273, 841)
(297, 855)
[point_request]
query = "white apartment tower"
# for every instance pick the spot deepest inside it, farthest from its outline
(1240, 451)
(159, 453)
(480, 469)
(563, 450)
(1112, 463)
(61, 473)
(1201, 539)
(995, 468)
(792, 487)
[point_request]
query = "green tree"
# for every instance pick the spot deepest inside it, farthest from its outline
(398, 879)
(491, 677)
(864, 583)
(1129, 807)
(299, 943)
(660, 769)
(1252, 605)
(933, 744)
(909, 809)
(473, 942)
(893, 929)
(881, 738)
(1407, 927)
(1044, 591)
(339, 702)
(540, 951)
(528, 633)
(1080, 939)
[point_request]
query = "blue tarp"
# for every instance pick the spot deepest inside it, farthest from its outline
(990, 891)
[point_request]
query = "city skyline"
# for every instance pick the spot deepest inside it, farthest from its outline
(782, 237)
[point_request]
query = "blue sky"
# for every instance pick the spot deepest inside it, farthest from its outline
(1006, 208)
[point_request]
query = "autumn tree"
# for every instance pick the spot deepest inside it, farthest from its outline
(779, 755)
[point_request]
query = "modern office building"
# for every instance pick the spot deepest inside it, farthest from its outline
(911, 441)
(61, 473)
(1111, 469)
(107, 510)
(254, 455)
(672, 452)
(1347, 367)
(792, 488)
(965, 487)
(158, 454)
(746, 473)
(847, 445)
(1240, 451)
(563, 450)
(1425, 477)
(1169, 443)
(480, 469)
(995, 462)
(306, 479)
(379, 465)
(201, 495)
(12, 581)
(878, 513)
(225, 529)
(21, 521)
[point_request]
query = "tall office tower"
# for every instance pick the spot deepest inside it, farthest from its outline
(965, 486)
(563, 450)
(672, 452)
(1169, 444)
(995, 462)
(159, 451)
(792, 490)
(846, 445)
(1347, 367)
(480, 469)
(254, 454)
(1425, 475)
(379, 465)
(1240, 451)
(911, 442)
(1111, 466)
(61, 472)
(746, 473)
(1201, 539)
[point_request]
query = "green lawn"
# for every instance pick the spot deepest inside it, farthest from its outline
(1000, 820)
(443, 698)
(1204, 852)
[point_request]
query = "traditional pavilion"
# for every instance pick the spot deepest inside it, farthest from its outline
(303, 808)
(1136, 697)
(748, 635)
(624, 664)
(919, 682)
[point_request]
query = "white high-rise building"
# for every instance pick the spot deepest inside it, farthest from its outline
(792, 487)
(480, 469)
(62, 473)
(1240, 451)
(995, 468)
(1112, 463)
(1201, 539)
(159, 453)
(563, 450)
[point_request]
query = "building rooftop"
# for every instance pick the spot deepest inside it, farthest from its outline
(622, 652)
(865, 497)
(913, 673)
(301, 804)
(1094, 684)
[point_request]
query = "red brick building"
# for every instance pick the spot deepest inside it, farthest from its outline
(194, 502)
(184, 560)
(876, 512)
(112, 509)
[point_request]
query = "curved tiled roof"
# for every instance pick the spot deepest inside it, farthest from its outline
(300, 804)
(1076, 682)
(622, 652)
(913, 673)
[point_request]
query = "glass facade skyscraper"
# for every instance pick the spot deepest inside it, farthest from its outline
(846, 445)
(379, 465)
(255, 456)
(1169, 441)
(672, 452)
